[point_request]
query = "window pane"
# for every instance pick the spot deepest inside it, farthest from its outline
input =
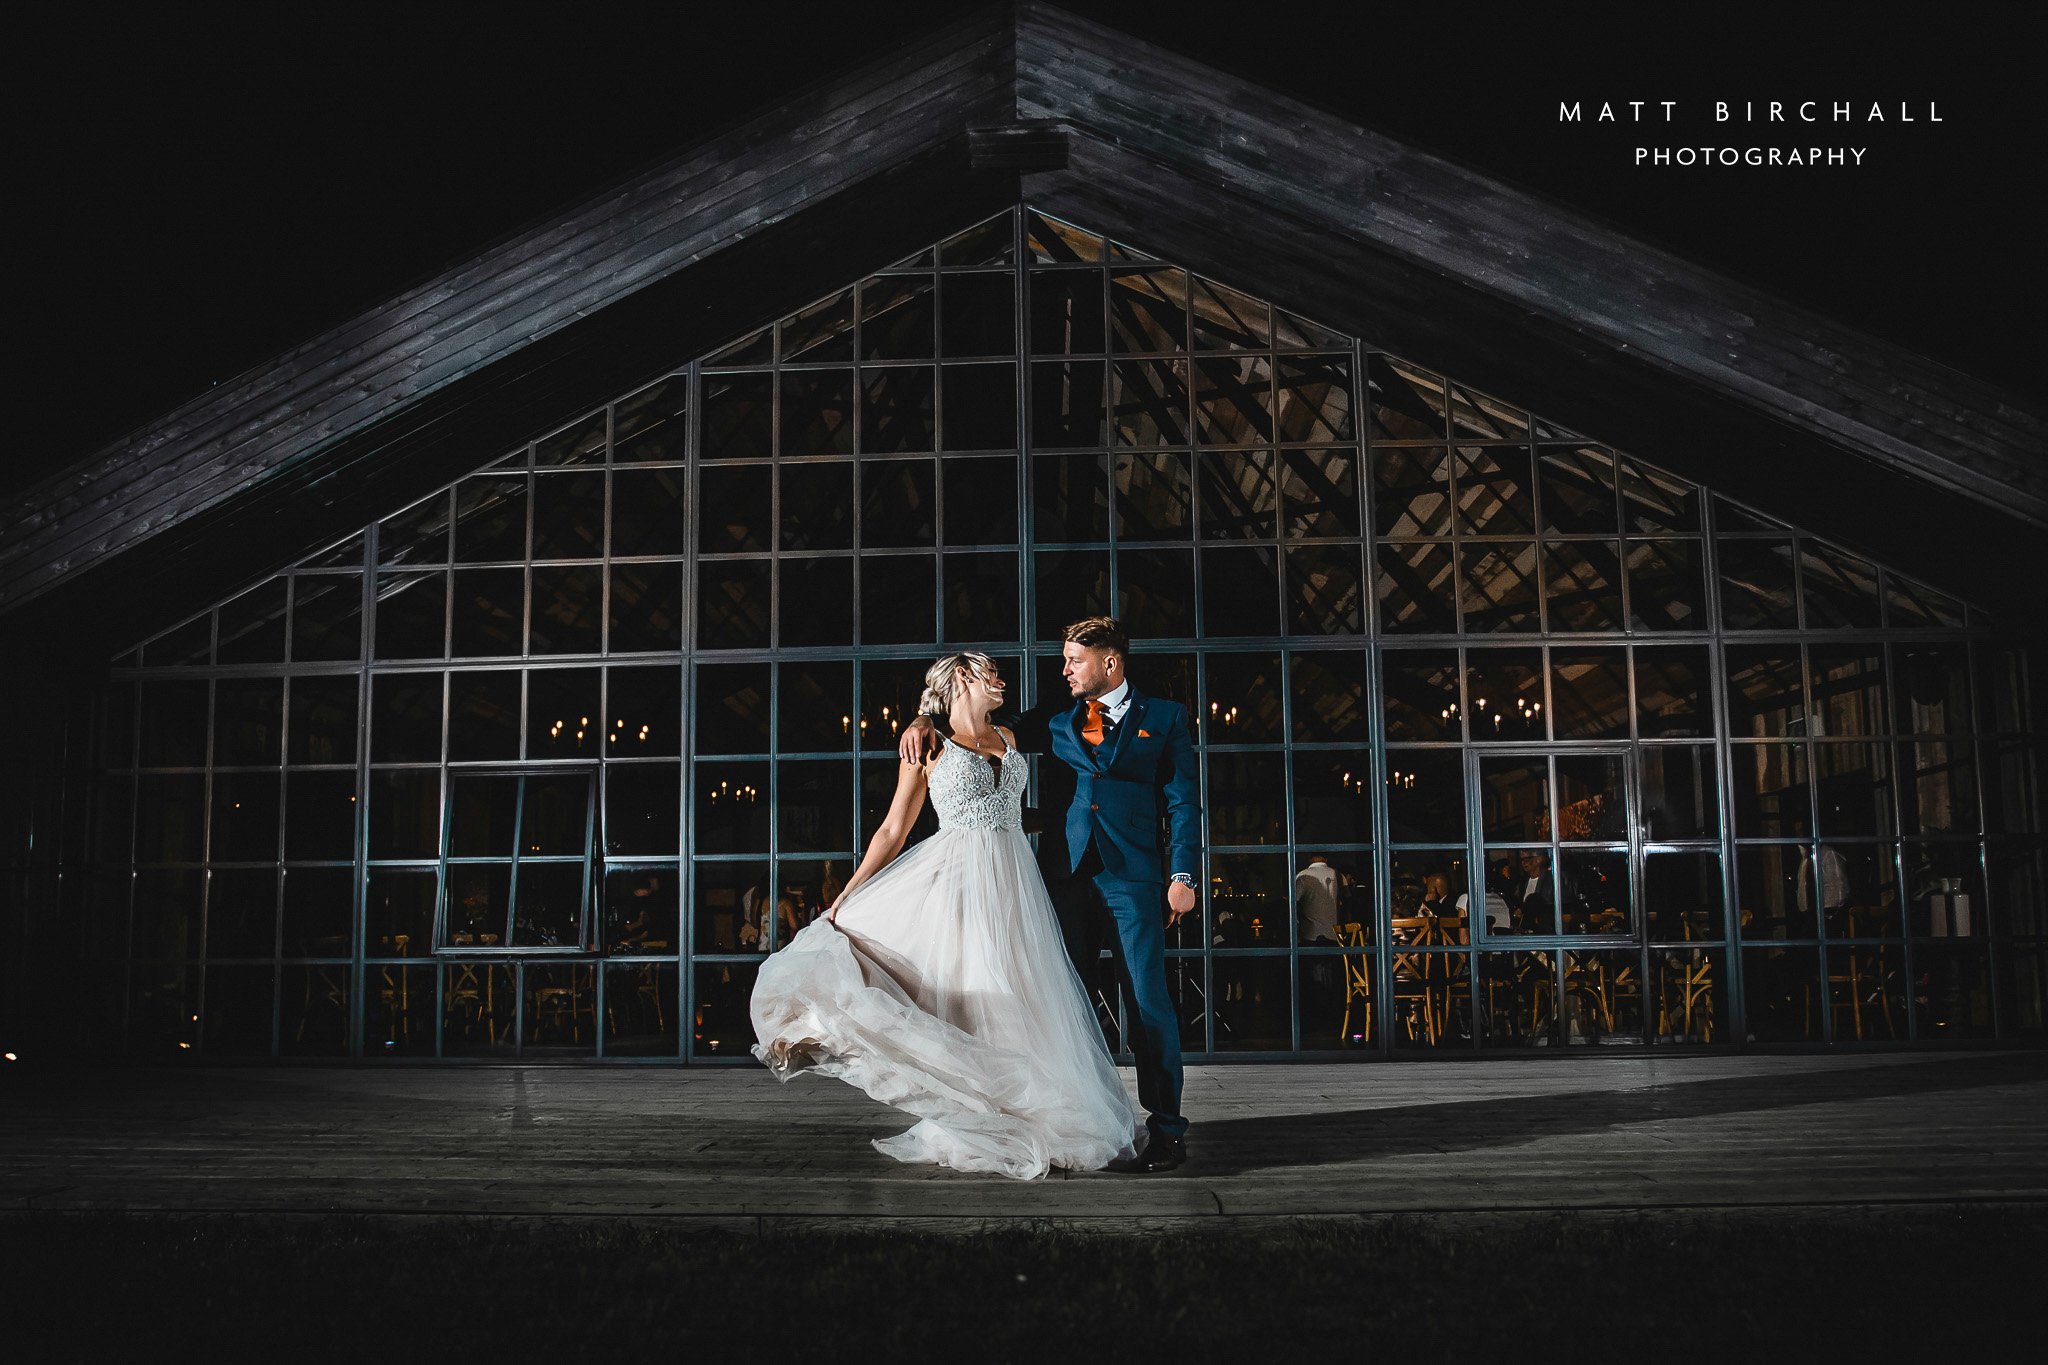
(1681, 799)
(405, 814)
(1148, 310)
(988, 244)
(733, 907)
(1498, 587)
(1422, 694)
(245, 817)
(981, 597)
(735, 509)
(1314, 398)
(412, 615)
(490, 612)
(550, 909)
(1242, 701)
(1779, 988)
(1841, 590)
(1071, 496)
(562, 715)
(1425, 796)
(1154, 497)
(1225, 320)
(898, 599)
(823, 331)
(1332, 799)
(1150, 406)
(646, 607)
(1664, 585)
(1682, 896)
(1325, 590)
(1234, 401)
(405, 711)
(817, 601)
(482, 816)
(1852, 784)
(1592, 798)
(418, 535)
(1493, 495)
(1848, 689)
(319, 908)
(644, 711)
(1241, 807)
(1526, 880)
(1329, 702)
(1764, 691)
(1589, 687)
(1066, 312)
(1933, 689)
(568, 609)
(252, 626)
(327, 617)
(568, 515)
(401, 905)
(814, 806)
(980, 407)
(1071, 584)
(816, 708)
(1505, 687)
(981, 501)
(817, 411)
(897, 506)
(1937, 788)
(640, 910)
(642, 808)
(1156, 592)
(1770, 790)
(732, 604)
(241, 917)
(980, 315)
(583, 441)
(649, 515)
(1412, 491)
(738, 414)
(1596, 892)
(1239, 494)
(732, 807)
(650, 425)
(897, 318)
(1320, 490)
(1673, 692)
(1756, 585)
(320, 815)
(1239, 592)
(1578, 489)
(490, 518)
(1067, 404)
(1407, 403)
(248, 715)
(1655, 502)
(1514, 798)
(898, 411)
(1582, 582)
(1414, 589)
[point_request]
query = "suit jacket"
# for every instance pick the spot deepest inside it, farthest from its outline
(1142, 777)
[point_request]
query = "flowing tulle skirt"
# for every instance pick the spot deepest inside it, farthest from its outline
(944, 989)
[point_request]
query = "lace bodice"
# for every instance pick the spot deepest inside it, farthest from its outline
(968, 794)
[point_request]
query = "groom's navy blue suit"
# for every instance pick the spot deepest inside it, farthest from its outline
(1141, 776)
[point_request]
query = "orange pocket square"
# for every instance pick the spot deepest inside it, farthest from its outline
(1144, 734)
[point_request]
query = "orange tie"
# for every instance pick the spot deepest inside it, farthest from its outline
(1091, 728)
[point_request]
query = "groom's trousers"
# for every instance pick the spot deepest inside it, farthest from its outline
(1097, 909)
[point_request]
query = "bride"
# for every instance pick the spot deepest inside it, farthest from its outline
(938, 982)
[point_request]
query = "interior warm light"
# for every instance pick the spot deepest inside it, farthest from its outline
(185, 1046)
(9, 1056)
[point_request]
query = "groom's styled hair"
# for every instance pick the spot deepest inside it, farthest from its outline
(1100, 632)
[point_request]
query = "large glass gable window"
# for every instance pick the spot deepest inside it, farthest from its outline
(1508, 738)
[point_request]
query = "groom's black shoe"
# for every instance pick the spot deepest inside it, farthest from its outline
(1162, 1153)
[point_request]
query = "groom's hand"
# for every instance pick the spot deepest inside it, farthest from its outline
(1180, 898)
(919, 742)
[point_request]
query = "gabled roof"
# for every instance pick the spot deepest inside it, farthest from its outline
(1851, 437)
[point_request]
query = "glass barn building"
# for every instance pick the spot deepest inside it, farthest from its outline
(1515, 731)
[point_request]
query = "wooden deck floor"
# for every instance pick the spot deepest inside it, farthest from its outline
(731, 1145)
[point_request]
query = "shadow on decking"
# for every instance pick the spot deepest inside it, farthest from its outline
(1276, 1142)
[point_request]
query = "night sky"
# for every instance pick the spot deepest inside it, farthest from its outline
(202, 187)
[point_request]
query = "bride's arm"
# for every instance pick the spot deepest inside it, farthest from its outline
(904, 809)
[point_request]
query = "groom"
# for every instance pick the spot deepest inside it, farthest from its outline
(1134, 761)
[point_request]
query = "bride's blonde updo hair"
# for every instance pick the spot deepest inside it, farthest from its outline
(939, 682)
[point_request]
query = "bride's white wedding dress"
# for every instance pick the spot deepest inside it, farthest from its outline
(945, 990)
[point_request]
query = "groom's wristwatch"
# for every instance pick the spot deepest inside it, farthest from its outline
(1186, 879)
